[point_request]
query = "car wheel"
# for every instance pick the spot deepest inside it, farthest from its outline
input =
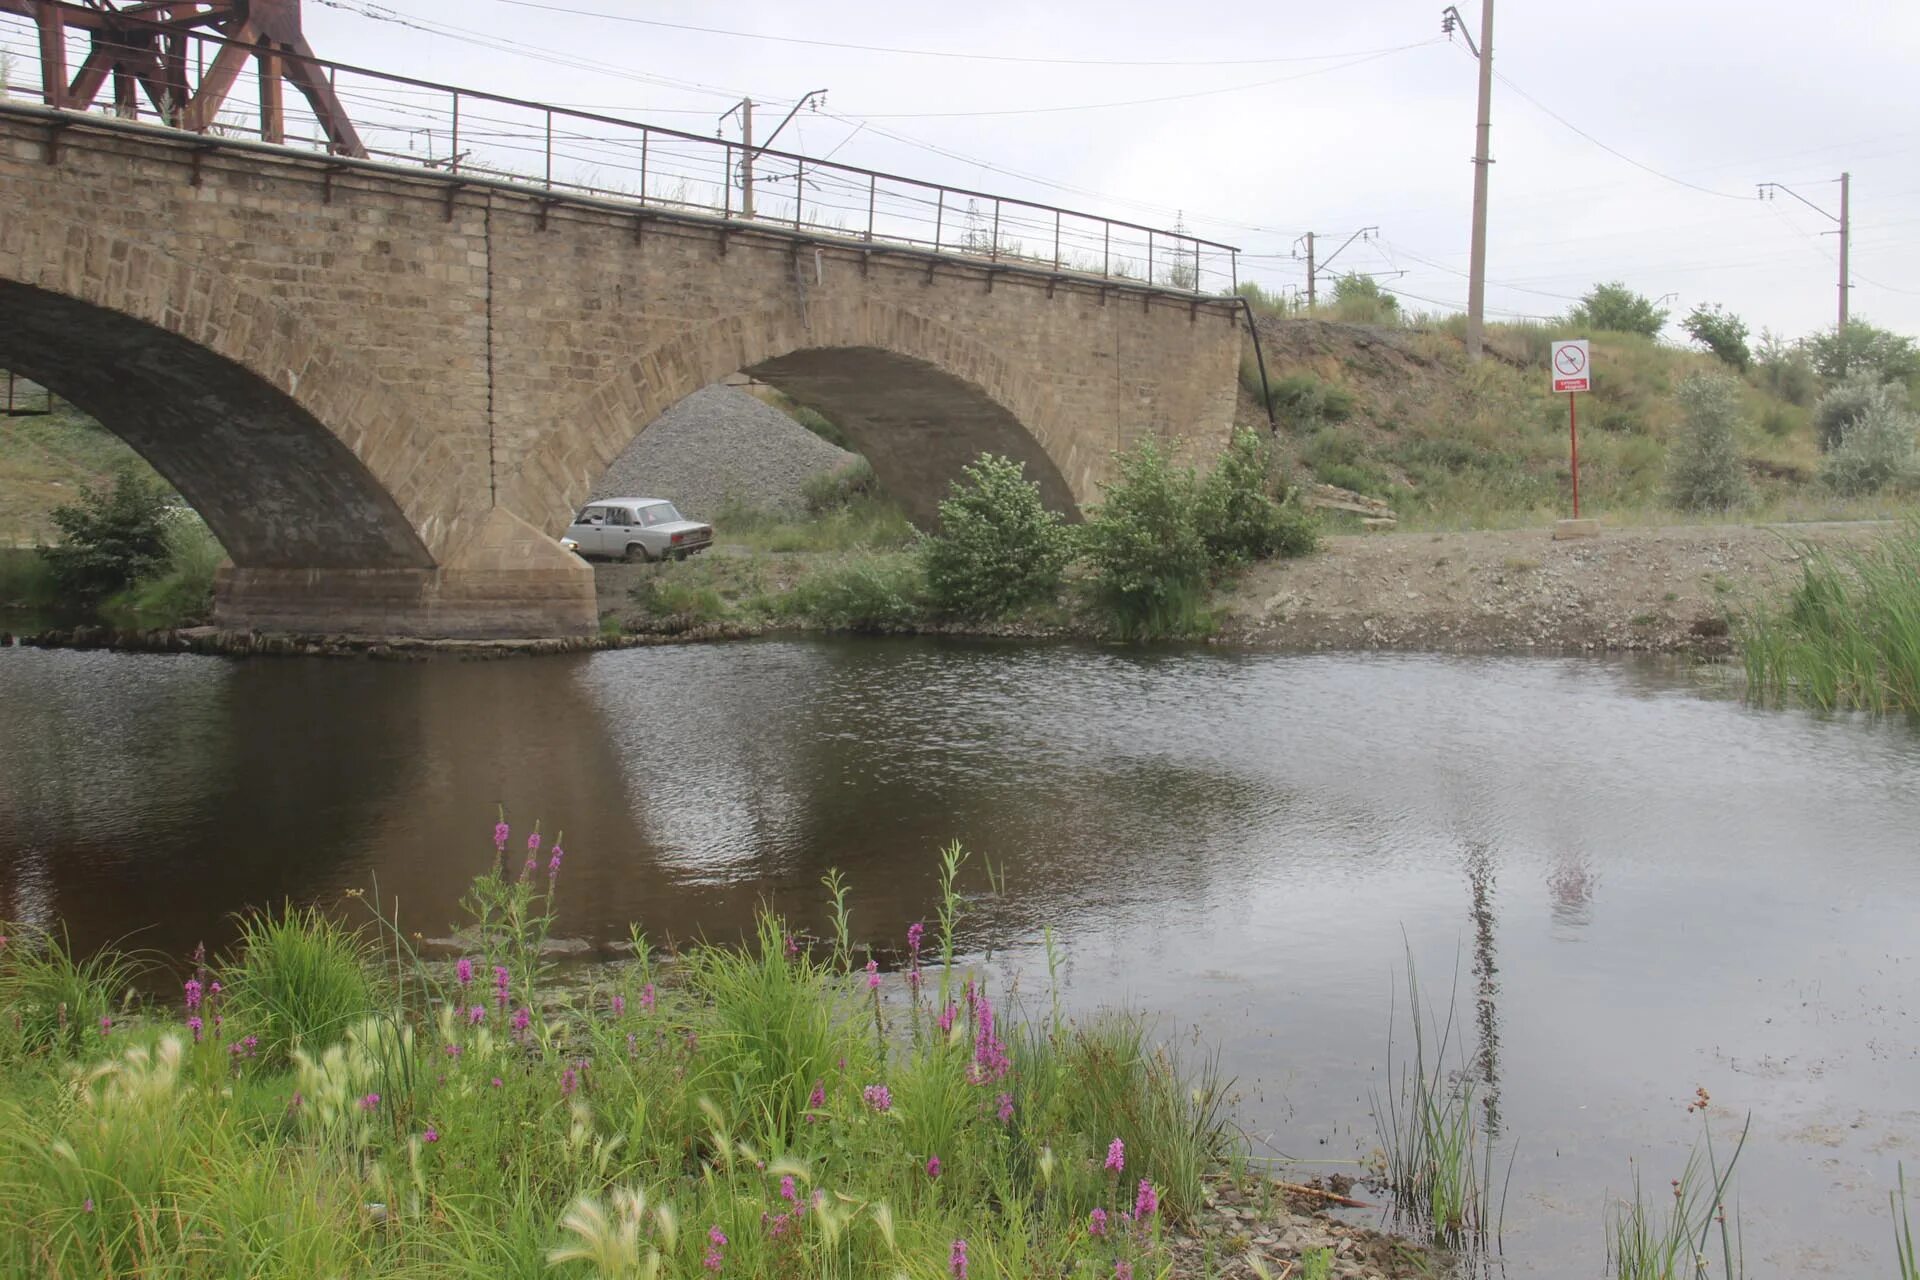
(637, 554)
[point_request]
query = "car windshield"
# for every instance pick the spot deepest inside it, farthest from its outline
(659, 513)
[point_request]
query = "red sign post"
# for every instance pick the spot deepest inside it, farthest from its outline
(1572, 372)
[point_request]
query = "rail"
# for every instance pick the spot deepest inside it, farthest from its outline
(461, 131)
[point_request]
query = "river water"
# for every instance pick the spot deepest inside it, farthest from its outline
(1632, 887)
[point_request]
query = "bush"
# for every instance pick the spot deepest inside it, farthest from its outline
(1614, 308)
(1238, 519)
(1305, 403)
(1706, 471)
(831, 490)
(1149, 560)
(1876, 452)
(1720, 332)
(111, 540)
(869, 594)
(999, 548)
(1785, 369)
(1865, 350)
(1850, 634)
(1836, 412)
(181, 592)
(1359, 299)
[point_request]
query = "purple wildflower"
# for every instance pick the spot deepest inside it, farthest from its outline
(476, 1015)
(533, 843)
(957, 1261)
(553, 863)
(646, 998)
(878, 1096)
(193, 989)
(1097, 1223)
(793, 947)
(633, 1045)
(369, 1102)
(816, 1101)
(464, 971)
(933, 1167)
(873, 975)
(500, 833)
(569, 1082)
(946, 1019)
(452, 1050)
(243, 1048)
(716, 1241)
(915, 932)
(502, 981)
(86, 1206)
(1146, 1203)
(1005, 1102)
(522, 1019)
(494, 1083)
(1117, 1156)
(196, 1026)
(619, 1004)
(106, 1025)
(431, 1135)
(787, 1191)
(1122, 1269)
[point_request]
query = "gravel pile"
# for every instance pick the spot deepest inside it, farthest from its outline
(721, 444)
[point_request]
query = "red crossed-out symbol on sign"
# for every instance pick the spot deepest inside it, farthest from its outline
(1569, 361)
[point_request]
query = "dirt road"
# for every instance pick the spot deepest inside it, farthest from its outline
(1631, 588)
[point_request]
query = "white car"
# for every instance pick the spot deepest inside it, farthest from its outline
(635, 529)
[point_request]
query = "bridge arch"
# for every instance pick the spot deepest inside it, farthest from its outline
(279, 489)
(919, 400)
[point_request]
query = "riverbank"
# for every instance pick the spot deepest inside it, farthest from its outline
(1645, 589)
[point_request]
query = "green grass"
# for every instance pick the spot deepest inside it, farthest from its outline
(1439, 1159)
(1848, 636)
(56, 1001)
(1674, 1236)
(181, 593)
(863, 523)
(1904, 1254)
(637, 1124)
(25, 580)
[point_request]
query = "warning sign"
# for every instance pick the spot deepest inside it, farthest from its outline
(1571, 371)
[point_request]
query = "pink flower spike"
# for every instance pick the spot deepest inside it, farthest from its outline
(933, 1168)
(500, 833)
(1146, 1203)
(787, 1191)
(646, 997)
(533, 843)
(873, 975)
(1005, 1101)
(431, 1135)
(957, 1261)
(369, 1102)
(1122, 1269)
(1117, 1156)
(463, 971)
(1097, 1223)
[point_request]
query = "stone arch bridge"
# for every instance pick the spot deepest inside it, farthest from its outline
(386, 389)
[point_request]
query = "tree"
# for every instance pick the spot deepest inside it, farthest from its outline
(1239, 519)
(1614, 308)
(1360, 300)
(1866, 349)
(1721, 332)
(110, 540)
(998, 547)
(1150, 563)
(1785, 369)
(1705, 471)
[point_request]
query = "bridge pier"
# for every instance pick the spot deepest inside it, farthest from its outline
(509, 582)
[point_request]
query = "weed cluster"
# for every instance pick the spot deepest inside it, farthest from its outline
(320, 1105)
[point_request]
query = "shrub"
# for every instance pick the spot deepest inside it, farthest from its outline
(1614, 308)
(1835, 413)
(1706, 472)
(181, 591)
(1867, 350)
(1785, 369)
(870, 594)
(1149, 560)
(999, 548)
(301, 980)
(1238, 519)
(831, 490)
(1305, 403)
(110, 540)
(1359, 299)
(1876, 452)
(1721, 332)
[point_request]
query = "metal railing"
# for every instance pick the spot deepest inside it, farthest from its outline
(461, 131)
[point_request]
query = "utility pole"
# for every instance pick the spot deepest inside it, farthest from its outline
(1315, 267)
(1311, 271)
(1768, 190)
(1482, 159)
(745, 108)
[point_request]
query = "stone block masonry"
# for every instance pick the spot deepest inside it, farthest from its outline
(386, 391)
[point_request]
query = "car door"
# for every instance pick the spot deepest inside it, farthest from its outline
(585, 530)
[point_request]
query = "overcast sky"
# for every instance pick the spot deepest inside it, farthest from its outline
(1295, 117)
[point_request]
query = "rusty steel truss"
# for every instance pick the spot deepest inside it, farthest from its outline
(142, 47)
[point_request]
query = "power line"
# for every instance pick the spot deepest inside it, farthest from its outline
(939, 53)
(1613, 151)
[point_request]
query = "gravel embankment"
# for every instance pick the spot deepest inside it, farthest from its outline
(721, 444)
